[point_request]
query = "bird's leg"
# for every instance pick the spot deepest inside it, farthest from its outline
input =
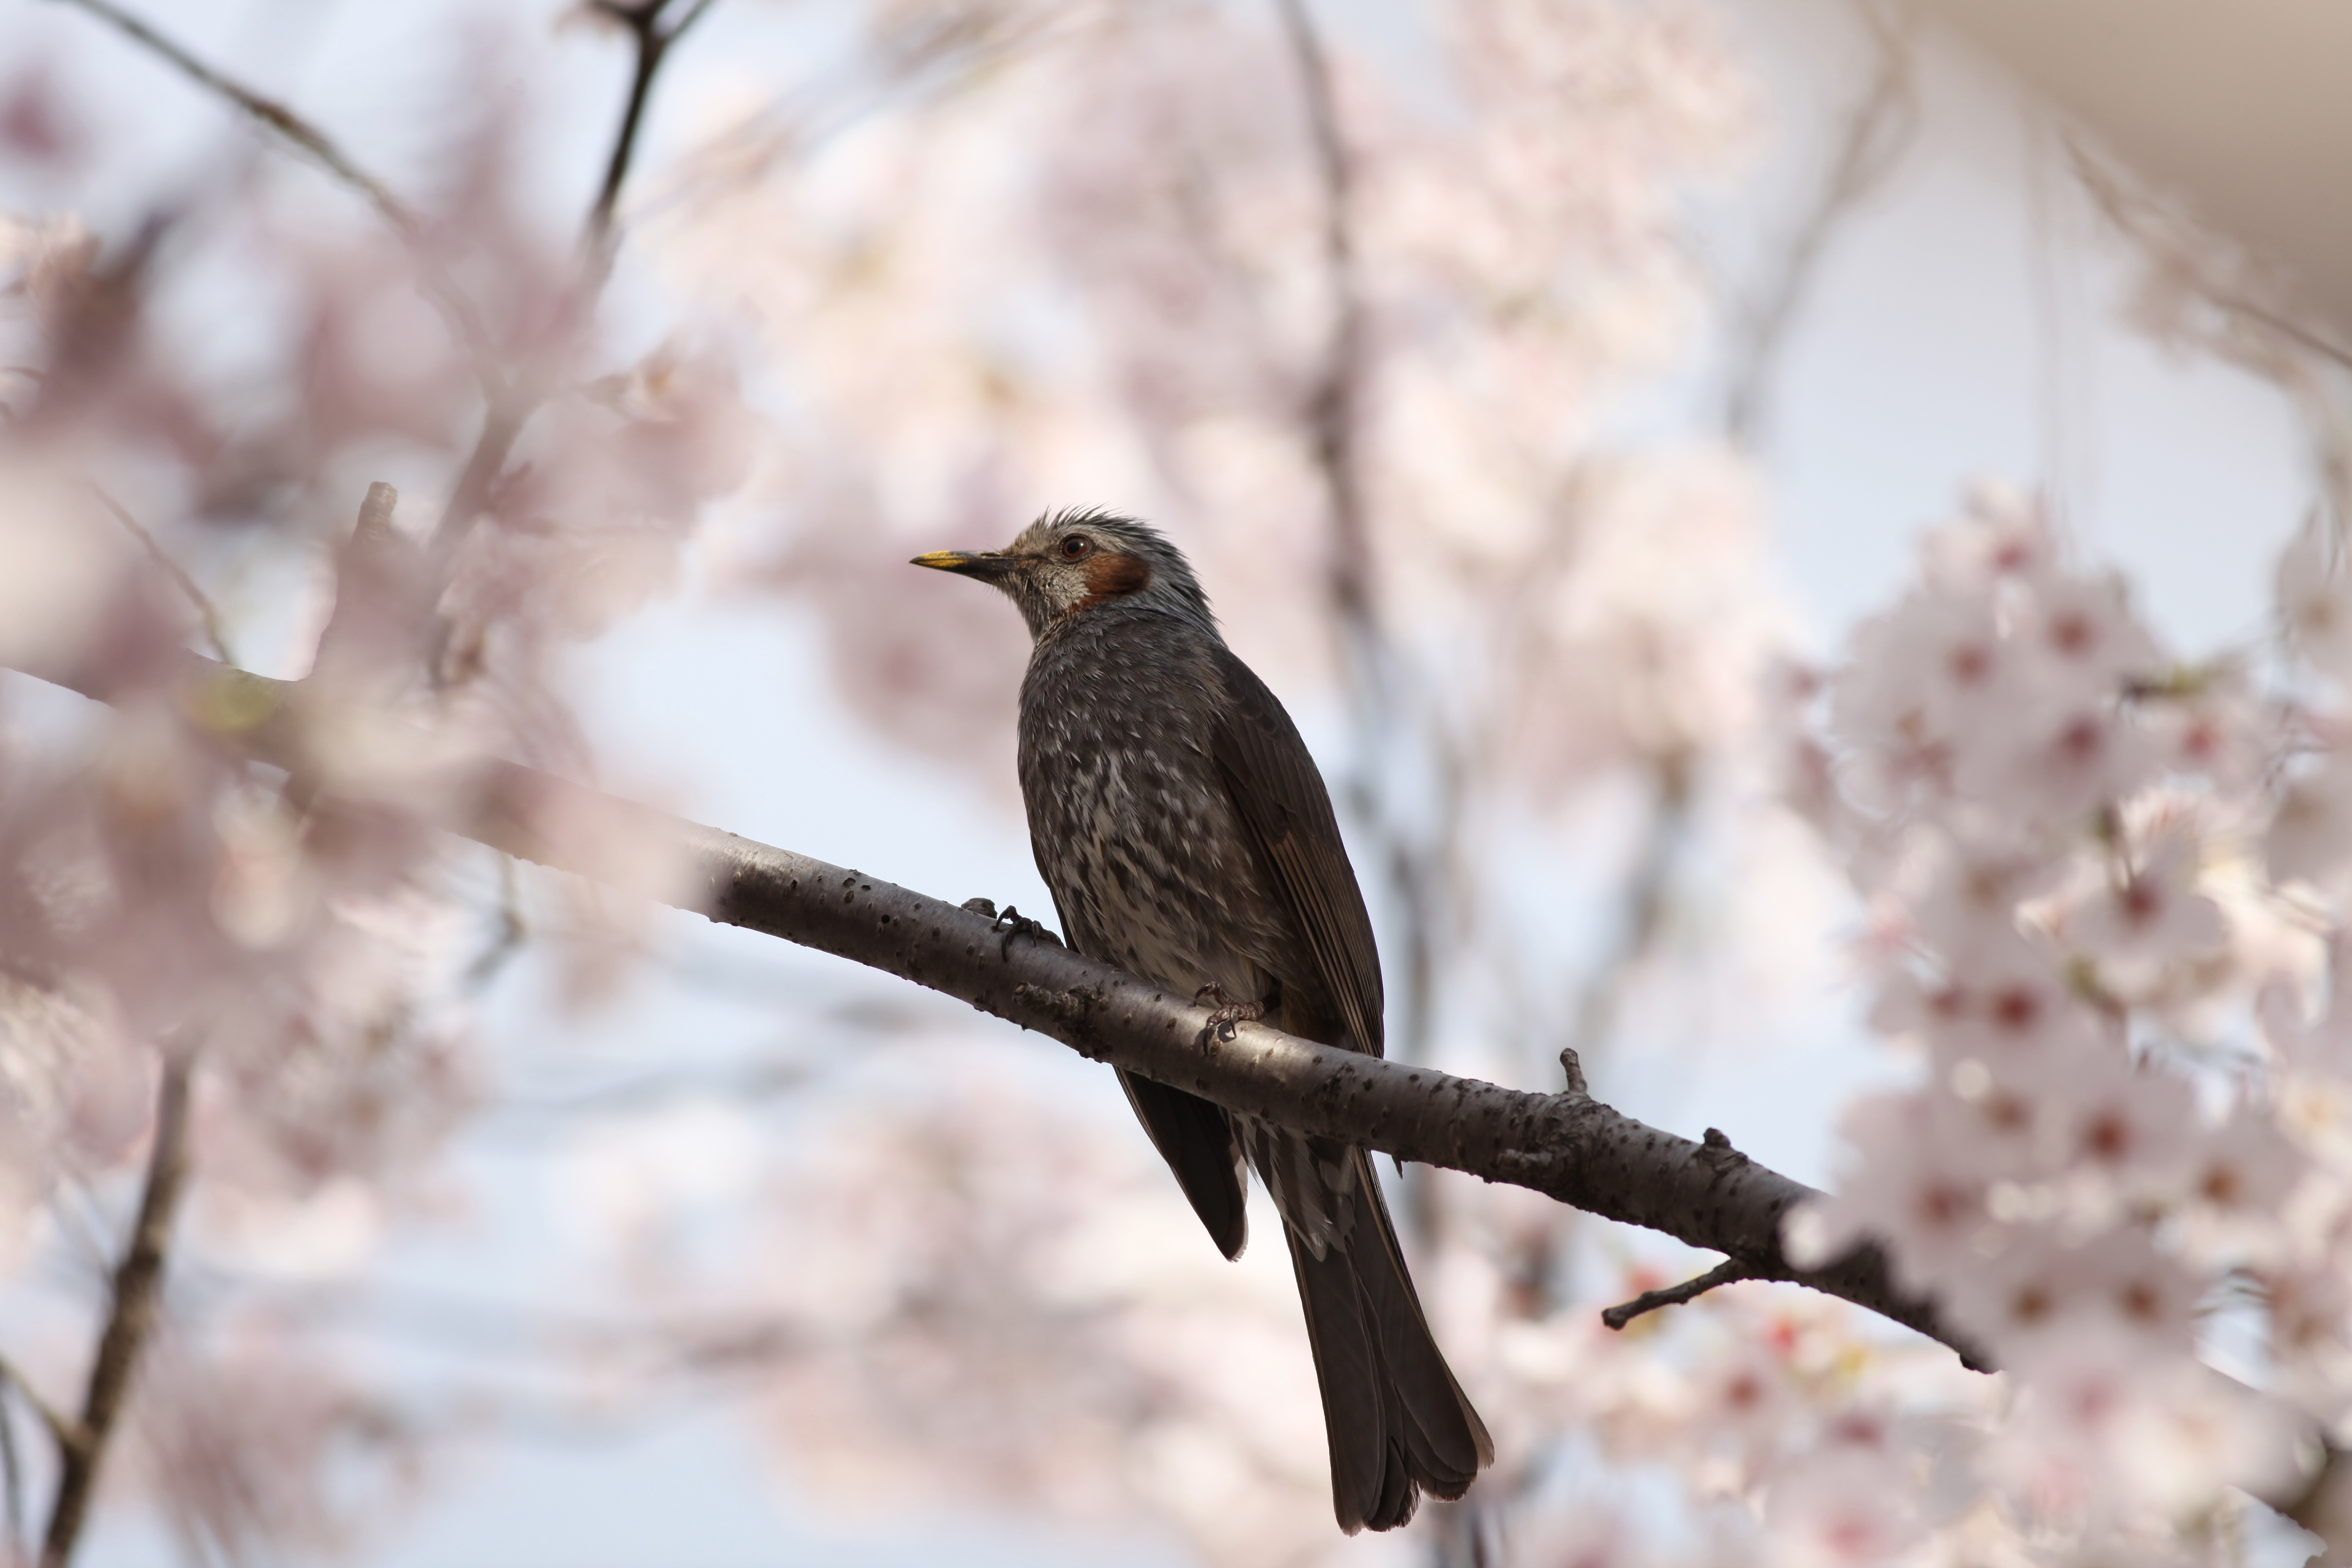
(1011, 923)
(1229, 1012)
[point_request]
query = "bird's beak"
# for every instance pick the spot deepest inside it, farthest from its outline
(986, 564)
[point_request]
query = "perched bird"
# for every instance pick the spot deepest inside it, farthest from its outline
(1189, 840)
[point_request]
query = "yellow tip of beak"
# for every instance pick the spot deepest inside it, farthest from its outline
(964, 561)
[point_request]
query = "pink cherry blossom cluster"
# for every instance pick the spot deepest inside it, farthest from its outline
(304, 938)
(2099, 923)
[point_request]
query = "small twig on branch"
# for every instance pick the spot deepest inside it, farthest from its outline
(654, 39)
(1571, 1067)
(1724, 1273)
(206, 616)
(137, 1282)
(60, 1430)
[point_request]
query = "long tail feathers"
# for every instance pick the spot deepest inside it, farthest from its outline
(1397, 1422)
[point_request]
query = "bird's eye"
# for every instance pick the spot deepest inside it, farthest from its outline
(1077, 547)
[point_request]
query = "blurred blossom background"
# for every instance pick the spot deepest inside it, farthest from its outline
(1805, 536)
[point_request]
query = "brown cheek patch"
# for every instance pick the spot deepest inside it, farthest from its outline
(1111, 576)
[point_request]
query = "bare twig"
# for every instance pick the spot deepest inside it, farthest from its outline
(1724, 1273)
(12, 1479)
(206, 616)
(512, 929)
(1334, 415)
(378, 578)
(1571, 1067)
(502, 425)
(1876, 135)
(1333, 412)
(60, 1430)
(309, 138)
(453, 302)
(654, 39)
(137, 1279)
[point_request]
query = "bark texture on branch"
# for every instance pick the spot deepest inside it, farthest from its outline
(1568, 1146)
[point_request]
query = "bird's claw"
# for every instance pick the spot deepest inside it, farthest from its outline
(1229, 1013)
(1012, 922)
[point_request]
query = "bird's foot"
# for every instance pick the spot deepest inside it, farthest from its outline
(1010, 922)
(1229, 1013)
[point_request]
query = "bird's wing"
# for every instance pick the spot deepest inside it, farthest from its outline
(1191, 1134)
(1287, 812)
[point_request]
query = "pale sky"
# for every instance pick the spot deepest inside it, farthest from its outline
(1962, 326)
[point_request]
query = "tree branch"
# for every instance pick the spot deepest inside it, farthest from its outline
(137, 1279)
(276, 116)
(1566, 1146)
(11, 1482)
(1375, 692)
(1724, 1273)
(59, 1430)
(1333, 411)
(206, 616)
(643, 21)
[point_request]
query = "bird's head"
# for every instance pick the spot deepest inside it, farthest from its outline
(1070, 564)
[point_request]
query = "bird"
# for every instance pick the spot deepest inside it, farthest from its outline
(1186, 839)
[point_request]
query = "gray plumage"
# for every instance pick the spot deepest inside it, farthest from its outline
(1188, 839)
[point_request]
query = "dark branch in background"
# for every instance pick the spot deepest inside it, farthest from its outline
(1333, 410)
(137, 1279)
(1877, 133)
(206, 616)
(438, 287)
(274, 115)
(503, 425)
(12, 1478)
(643, 21)
(470, 496)
(1566, 1146)
(1334, 413)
